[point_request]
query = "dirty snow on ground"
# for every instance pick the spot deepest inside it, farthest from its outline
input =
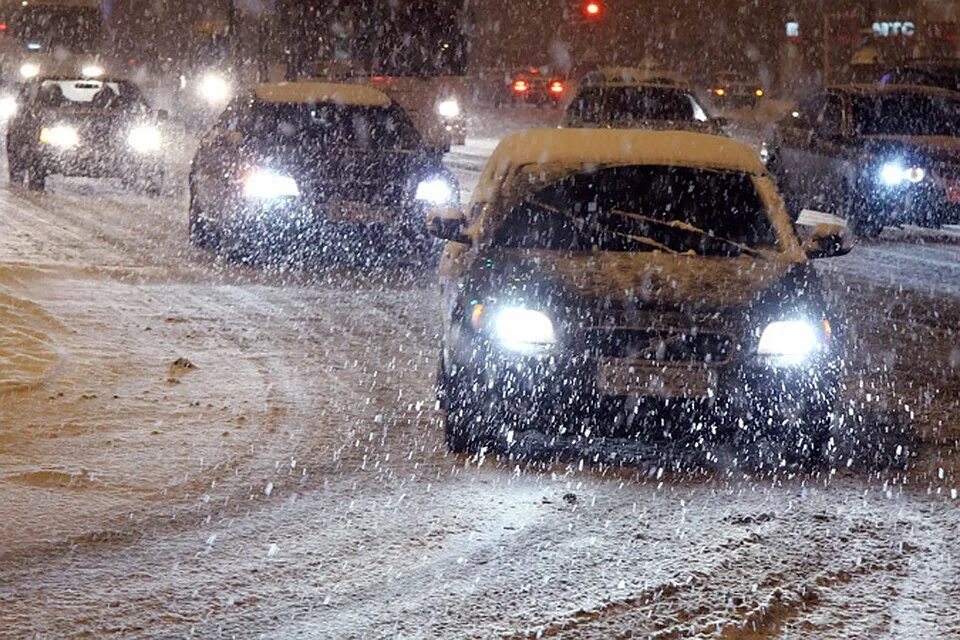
(196, 448)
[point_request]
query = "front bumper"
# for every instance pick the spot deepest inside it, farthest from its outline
(567, 389)
(98, 163)
(925, 204)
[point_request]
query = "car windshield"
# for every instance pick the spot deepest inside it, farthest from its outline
(642, 208)
(111, 95)
(907, 114)
(325, 125)
(610, 104)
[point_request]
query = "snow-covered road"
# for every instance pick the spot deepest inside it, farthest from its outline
(191, 447)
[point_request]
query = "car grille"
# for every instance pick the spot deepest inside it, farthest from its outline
(658, 345)
(389, 195)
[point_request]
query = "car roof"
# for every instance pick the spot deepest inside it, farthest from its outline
(72, 78)
(884, 89)
(627, 76)
(316, 92)
(582, 147)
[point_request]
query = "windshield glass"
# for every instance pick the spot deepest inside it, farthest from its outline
(76, 29)
(90, 93)
(907, 114)
(611, 104)
(641, 208)
(326, 125)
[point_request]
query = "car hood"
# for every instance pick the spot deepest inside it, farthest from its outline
(933, 148)
(614, 280)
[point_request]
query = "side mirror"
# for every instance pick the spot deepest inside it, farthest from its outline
(826, 241)
(721, 121)
(447, 224)
(163, 115)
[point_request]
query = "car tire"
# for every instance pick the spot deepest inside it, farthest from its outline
(37, 179)
(787, 439)
(201, 233)
(460, 415)
(18, 173)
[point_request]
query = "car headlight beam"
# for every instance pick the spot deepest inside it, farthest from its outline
(60, 136)
(92, 71)
(523, 330)
(263, 184)
(792, 341)
(145, 139)
(29, 70)
(449, 108)
(895, 173)
(8, 107)
(214, 88)
(435, 191)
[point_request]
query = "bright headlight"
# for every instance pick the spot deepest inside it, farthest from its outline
(523, 330)
(894, 173)
(29, 70)
(61, 136)
(144, 139)
(792, 341)
(448, 108)
(214, 88)
(435, 191)
(8, 107)
(92, 71)
(269, 185)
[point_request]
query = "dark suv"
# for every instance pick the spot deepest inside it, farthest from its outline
(875, 154)
(314, 163)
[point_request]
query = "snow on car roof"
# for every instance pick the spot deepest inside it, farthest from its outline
(625, 146)
(313, 92)
(597, 147)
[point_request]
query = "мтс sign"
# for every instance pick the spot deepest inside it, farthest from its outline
(894, 29)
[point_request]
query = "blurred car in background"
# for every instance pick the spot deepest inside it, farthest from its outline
(629, 76)
(732, 89)
(944, 74)
(876, 154)
(316, 164)
(74, 126)
(639, 285)
(623, 105)
(538, 86)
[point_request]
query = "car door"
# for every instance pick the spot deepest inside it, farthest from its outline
(215, 161)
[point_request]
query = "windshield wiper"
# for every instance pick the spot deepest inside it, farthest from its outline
(684, 226)
(644, 240)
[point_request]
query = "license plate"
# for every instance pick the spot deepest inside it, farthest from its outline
(358, 212)
(629, 378)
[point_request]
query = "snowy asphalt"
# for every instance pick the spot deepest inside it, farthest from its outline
(189, 447)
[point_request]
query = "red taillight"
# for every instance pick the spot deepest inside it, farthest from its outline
(556, 87)
(520, 86)
(3, 27)
(592, 9)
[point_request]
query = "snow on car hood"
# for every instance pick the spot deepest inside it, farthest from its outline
(944, 148)
(645, 277)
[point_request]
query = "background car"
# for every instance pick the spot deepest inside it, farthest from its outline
(316, 163)
(732, 90)
(636, 105)
(78, 126)
(875, 154)
(635, 284)
(944, 74)
(538, 86)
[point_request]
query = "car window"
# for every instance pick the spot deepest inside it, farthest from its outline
(328, 124)
(637, 208)
(89, 93)
(610, 104)
(913, 114)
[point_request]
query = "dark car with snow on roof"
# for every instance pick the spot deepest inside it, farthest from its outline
(624, 283)
(318, 164)
(637, 106)
(90, 127)
(877, 154)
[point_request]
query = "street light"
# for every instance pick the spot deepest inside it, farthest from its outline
(592, 9)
